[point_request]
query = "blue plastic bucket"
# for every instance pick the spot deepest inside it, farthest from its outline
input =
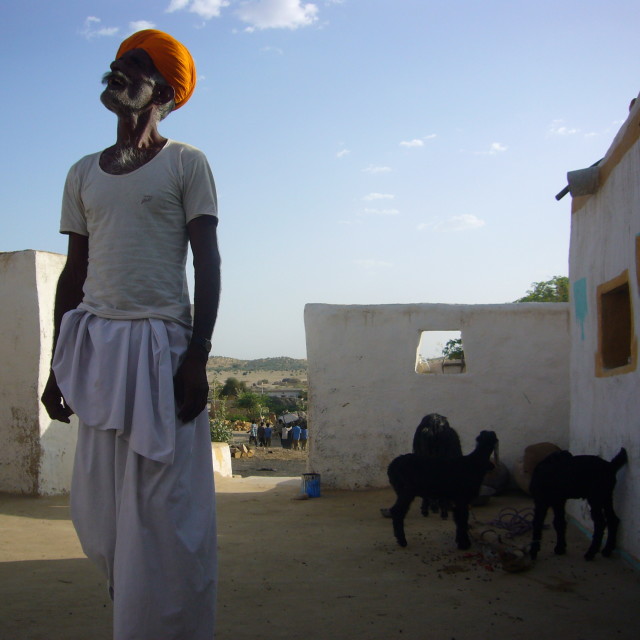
(311, 484)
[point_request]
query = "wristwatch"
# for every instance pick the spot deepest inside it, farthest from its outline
(205, 343)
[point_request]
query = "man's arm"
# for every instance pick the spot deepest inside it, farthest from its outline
(68, 296)
(191, 385)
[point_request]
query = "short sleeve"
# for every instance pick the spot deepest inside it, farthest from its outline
(73, 218)
(199, 190)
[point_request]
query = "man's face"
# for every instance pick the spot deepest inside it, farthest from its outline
(129, 84)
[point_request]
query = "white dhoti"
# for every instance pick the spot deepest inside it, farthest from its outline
(142, 494)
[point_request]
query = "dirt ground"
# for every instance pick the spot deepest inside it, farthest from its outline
(325, 568)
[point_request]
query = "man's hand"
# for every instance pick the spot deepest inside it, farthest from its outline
(191, 388)
(53, 401)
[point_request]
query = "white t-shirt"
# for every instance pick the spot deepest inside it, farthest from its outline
(137, 229)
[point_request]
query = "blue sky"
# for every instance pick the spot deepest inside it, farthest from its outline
(365, 151)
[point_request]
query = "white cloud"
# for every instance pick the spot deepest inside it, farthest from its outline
(342, 153)
(558, 128)
(380, 212)
(465, 222)
(494, 148)
(176, 5)
(372, 264)
(416, 142)
(497, 147)
(378, 196)
(139, 25)
(277, 14)
(92, 29)
(373, 169)
(206, 9)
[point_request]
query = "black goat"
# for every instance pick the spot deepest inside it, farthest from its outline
(561, 476)
(457, 480)
(435, 438)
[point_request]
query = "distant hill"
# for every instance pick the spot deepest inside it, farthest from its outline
(283, 363)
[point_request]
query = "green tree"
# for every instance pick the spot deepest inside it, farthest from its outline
(252, 403)
(554, 290)
(453, 349)
(276, 405)
(233, 387)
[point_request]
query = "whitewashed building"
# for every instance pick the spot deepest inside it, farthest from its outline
(604, 269)
(36, 453)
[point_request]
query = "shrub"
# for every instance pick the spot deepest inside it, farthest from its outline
(219, 427)
(221, 431)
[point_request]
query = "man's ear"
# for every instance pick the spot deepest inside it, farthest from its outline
(163, 94)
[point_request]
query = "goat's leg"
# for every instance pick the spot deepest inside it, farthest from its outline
(538, 522)
(597, 515)
(612, 527)
(425, 507)
(461, 518)
(398, 513)
(560, 525)
(444, 508)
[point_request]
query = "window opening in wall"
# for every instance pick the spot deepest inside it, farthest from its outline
(617, 349)
(440, 352)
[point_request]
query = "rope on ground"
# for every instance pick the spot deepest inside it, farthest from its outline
(514, 522)
(495, 550)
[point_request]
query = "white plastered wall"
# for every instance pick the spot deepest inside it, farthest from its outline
(35, 453)
(57, 439)
(366, 398)
(605, 411)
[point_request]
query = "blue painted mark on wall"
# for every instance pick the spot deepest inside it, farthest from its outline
(580, 302)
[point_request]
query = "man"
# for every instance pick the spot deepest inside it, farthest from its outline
(284, 436)
(128, 360)
(261, 434)
(268, 432)
(304, 436)
(295, 435)
(253, 434)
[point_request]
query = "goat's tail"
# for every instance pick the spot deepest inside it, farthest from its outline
(620, 460)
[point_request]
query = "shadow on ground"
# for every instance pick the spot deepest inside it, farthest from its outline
(328, 569)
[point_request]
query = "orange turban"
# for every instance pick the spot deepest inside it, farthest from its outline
(171, 58)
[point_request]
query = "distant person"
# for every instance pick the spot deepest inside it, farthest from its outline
(304, 436)
(253, 434)
(284, 437)
(295, 436)
(268, 431)
(261, 434)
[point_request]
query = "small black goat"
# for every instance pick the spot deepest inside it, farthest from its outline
(435, 438)
(457, 480)
(561, 476)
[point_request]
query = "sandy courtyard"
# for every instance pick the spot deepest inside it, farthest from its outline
(324, 569)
